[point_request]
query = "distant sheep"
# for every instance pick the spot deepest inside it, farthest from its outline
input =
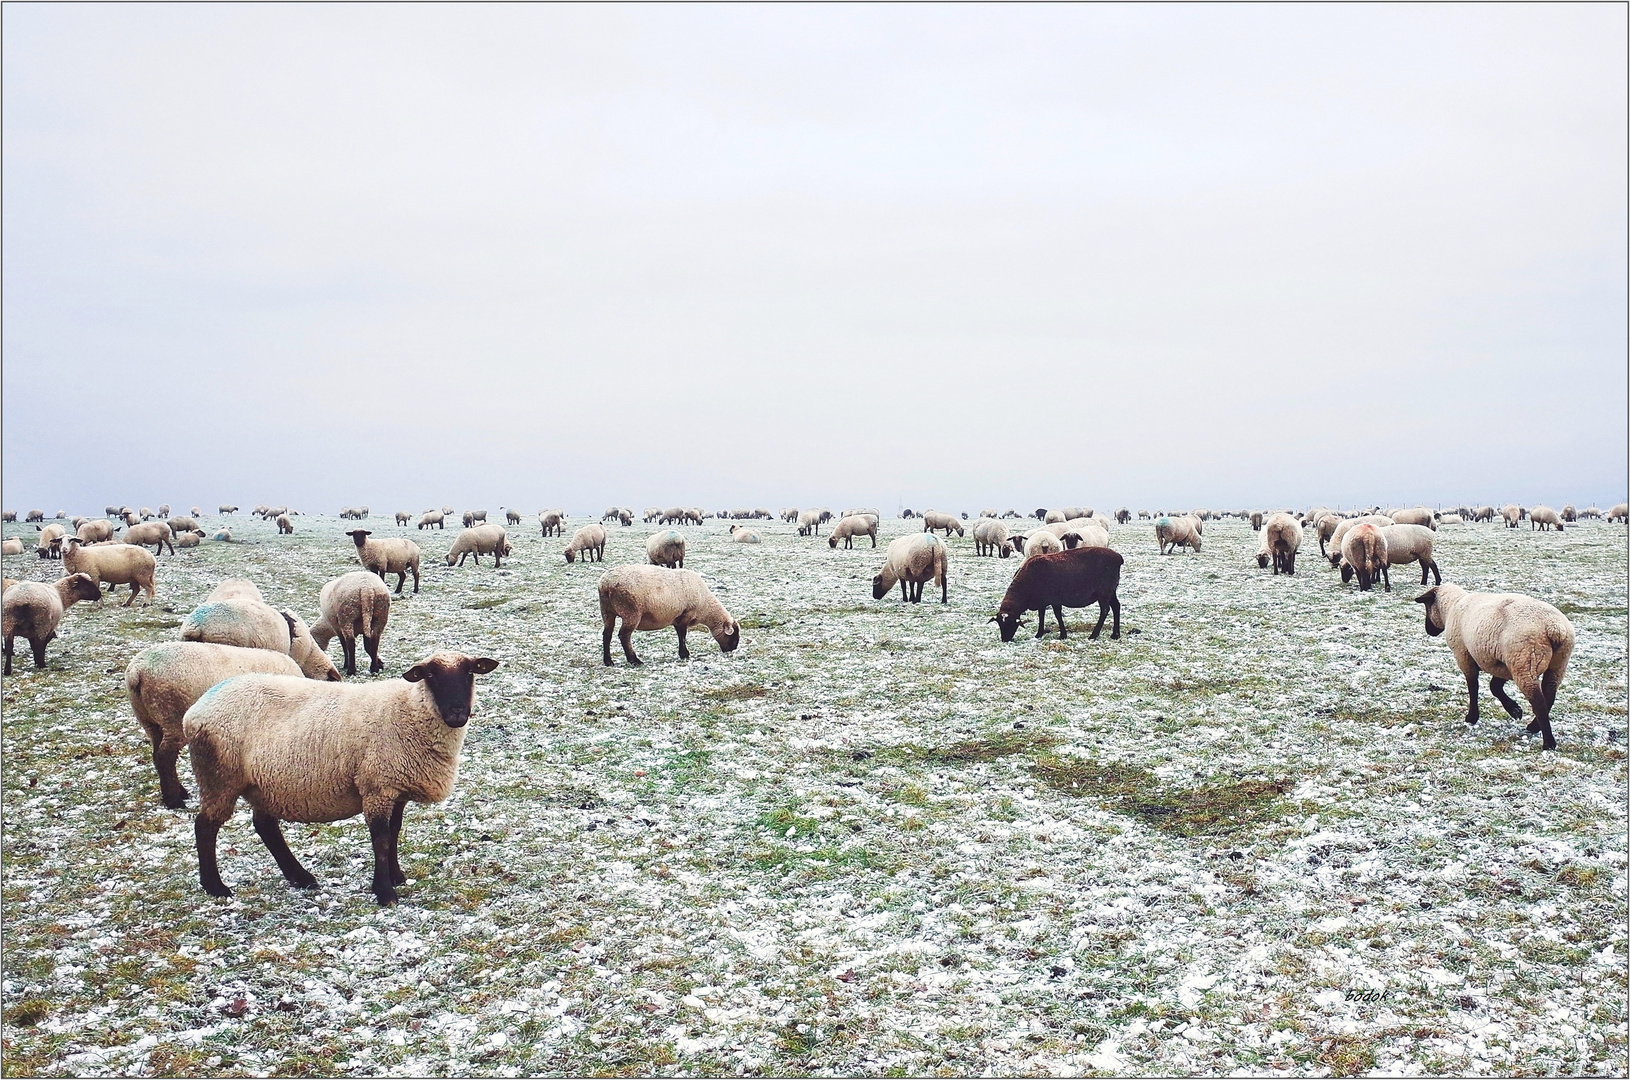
(666, 549)
(480, 540)
(98, 531)
(934, 520)
(1172, 533)
(553, 522)
(990, 538)
(1510, 636)
(433, 519)
(50, 540)
(354, 605)
(1619, 513)
(33, 610)
(911, 561)
(809, 523)
(1512, 513)
(589, 542)
(284, 525)
(156, 533)
(1544, 518)
(651, 598)
(511, 516)
(403, 517)
(851, 526)
(1281, 539)
(743, 535)
(1418, 516)
(1256, 521)
(226, 509)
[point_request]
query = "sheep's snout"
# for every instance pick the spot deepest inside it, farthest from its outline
(730, 639)
(1434, 614)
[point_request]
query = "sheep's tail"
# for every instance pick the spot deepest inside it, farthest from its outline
(368, 617)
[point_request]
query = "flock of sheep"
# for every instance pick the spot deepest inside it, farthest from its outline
(268, 717)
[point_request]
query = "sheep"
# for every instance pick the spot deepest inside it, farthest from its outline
(1050, 516)
(1281, 539)
(358, 603)
(432, 518)
(33, 610)
(115, 564)
(403, 517)
(226, 509)
(907, 514)
(851, 526)
(1364, 549)
(809, 523)
(511, 516)
(35, 515)
(447, 511)
(391, 555)
(552, 522)
(666, 548)
(1510, 636)
(1512, 513)
(1174, 532)
(156, 533)
(652, 598)
(743, 535)
(471, 517)
(1036, 542)
(1339, 533)
(50, 540)
(189, 539)
(165, 680)
(1451, 519)
(182, 523)
(612, 514)
(912, 560)
(1122, 516)
(299, 752)
(1620, 513)
(224, 535)
(1405, 544)
(260, 511)
(1085, 532)
(1544, 518)
(163, 510)
(12, 546)
(589, 542)
(933, 519)
(990, 538)
(1061, 579)
(235, 588)
(255, 624)
(1418, 516)
(478, 541)
(1570, 513)
(284, 525)
(1072, 512)
(790, 514)
(1256, 521)
(8, 515)
(197, 513)
(672, 515)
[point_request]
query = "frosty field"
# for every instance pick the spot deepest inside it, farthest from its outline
(1252, 835)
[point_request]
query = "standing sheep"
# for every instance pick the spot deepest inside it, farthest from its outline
(253, 624)
(589, 542)
(303, 752)
(485, 539)
(1620, 513)
(156, 533)
(1063, 579)
(1510, 636)
(284, 525)
(1544, 518)
(33, 610)
(115, 564)
(912, 560)
(1405, 544)
(1339, 533)
(552, 522)
(990, 538)
(1281, 539)
(934, 519)
(1512, 513)
(165, 680)
(511, 516)
(1256, 523)
(1172, 533)
(650, 598)
(352, 605)
(95, 532)
(809, 523)
(850, 527)
(432, 518)
(50, 540)
(403, 517)
(391, 555)
(666, 548)
(1364, 549)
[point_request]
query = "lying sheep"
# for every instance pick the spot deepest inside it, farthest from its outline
(156, 533)
(650, 598)
(12, 546)
(478, 541)
(115, 564)
(912, 560)
(235, 588)
(353, 605)
(388, 555)
(934, 519)
(254, 624)
(303, 752)
(587, 542)
(432, 518)
(189, 539)
(1405, 544)
(1451, 519)
(50, 540)
(553, 522)
(1063, 579)
(989, 538)
(1510, 636)
(743, 535)
(284, 525)
(1544, 518)
(33, 610)
(666, 548)
(1364, 550)
(1281, 539)
(1172, 533)
(851, 526)
(224, 535)
(165, 680)
(1418, 516)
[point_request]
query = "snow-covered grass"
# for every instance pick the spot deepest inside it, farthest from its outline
(1253, 834)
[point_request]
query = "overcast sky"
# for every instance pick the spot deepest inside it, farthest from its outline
(955, 256)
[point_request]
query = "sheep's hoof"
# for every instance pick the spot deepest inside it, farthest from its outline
(221, 892)
(1471, 718)
(1533, 726)
(385, 896)
(305, 881)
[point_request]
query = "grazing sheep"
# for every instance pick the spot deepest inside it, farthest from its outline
(1123, 515)
(1510, 636)
(1036, 542)
(189, 539)
(809, 523)
(432, 518)
(165, 680)
(553, 522)
(1544, 518)
(1256, 521)
(163, 510)
(1569, 513)
(666, 549)
(511, 517)
(1512, 513)
(933, 519)
(254, 624)
(180, 524)
(587, 542)
(1418, 516)
(95, 532)
(1364, 550)
(851, 526)
(353, 605)
(1085, 532)
(390, 555)
(989, 538)
(197, 513)
(50, 540)
(403, 517)
(1339, 534)
(1281, 539)
(907, 514)
(284, 525)
(8, 515)
(912, 560)
(33, 610)
(1619, 513)
(34, 515)
(1172, 533)
(477, 541)
(447, 511)
(650, 598)
(472, 517)
(12, 546)
(227, 509)
(743, 535)
(235, 588)
(115, 564)
(1405, 544)
(1060, 579)
(156, 533)
(299, 752)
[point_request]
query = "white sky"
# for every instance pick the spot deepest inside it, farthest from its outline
(954, 257)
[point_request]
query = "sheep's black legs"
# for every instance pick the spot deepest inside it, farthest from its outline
(1386, 577)
(397, 877)
(1114, 606)
(605, 639)
(1103, 612)
(1540, 697)
(9, 640)
(209, 871)
(39, 651)
(626, 636)
(945, 590)
(170, 791)
(348, 646)
(1041, 620)
(1058, 613)
(1471, 695)
(375, 664)
(684, 653)
(271, 834)
(379, 831)
(1497, 688)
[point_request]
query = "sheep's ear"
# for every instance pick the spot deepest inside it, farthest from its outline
(996, 620)
(292, 619)
(481, 665)
(1428, 596)
(416, 673)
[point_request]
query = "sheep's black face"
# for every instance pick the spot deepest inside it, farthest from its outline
(452, 683)
(1434, 614)
(1007, 623)
(1262, 560)
(730, 639)
(879, 589)
(1346, 572)
(359, 535)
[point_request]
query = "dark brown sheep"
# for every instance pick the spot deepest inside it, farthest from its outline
(1060, 579)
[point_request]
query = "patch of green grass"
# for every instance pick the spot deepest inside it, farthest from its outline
(1127, 789)
(489, 602)
(736, 692)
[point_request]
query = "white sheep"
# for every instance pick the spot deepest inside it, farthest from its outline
(1036, 542)
(1619, 512)
(433, 519)
(50, 540)
(553, 522)
(300, 751)
(1510, 636)
(354, 605)
(1085, 532)
(809, 523)
(589, 542)
(934, 519)
(652, 598)
(1172, 533)
(284, 525)
(990, 537)
(743, 535)
(479, 540)
(253, 624)
(1364, 550)
(403, 517)
(1544, 518)
(11, 546)
(1406, 543)
(189, 539)
(1339, 533)
(851, 526)
(666, 548)
(1281, 540)
(156, 533)
(1420, 515)
(1512, 513)
(235, 588)
(33, 610)
(912, 560)
(114, 564)
(165, 680)
(388, 555)
(98, 531)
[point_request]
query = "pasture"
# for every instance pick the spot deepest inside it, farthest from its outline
(1253, 834)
